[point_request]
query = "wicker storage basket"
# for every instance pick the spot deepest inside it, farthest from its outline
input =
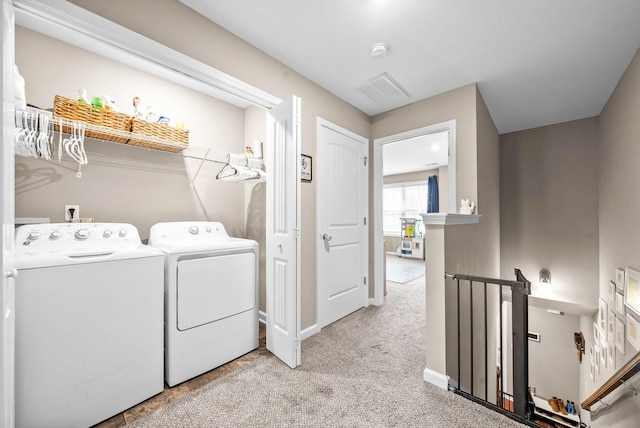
(159, 131)
(74, 110)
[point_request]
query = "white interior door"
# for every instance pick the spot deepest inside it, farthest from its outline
(7, 342)
(283, 231)
(342, 254)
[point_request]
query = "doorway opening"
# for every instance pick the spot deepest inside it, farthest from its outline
(409, 157)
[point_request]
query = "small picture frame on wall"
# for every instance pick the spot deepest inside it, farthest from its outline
(602, 319)
(612, 291)
(597, 359)
(611, 325)
(632, 290)
(603, 355)
(592, 371)
(620, 303)
(596, 333)
(620, 340)
(620, 278)
(306, 168)
(633, 332)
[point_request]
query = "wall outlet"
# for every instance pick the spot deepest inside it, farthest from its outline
(67, 212)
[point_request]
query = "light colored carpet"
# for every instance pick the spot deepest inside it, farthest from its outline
(403, 273)
(363, 371)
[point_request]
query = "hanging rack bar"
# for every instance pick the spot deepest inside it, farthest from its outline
(199, 167)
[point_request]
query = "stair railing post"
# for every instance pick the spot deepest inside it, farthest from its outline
(520, 319)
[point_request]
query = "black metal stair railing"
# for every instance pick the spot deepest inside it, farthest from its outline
(484, 293)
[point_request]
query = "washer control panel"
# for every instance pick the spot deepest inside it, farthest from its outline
(62, 237)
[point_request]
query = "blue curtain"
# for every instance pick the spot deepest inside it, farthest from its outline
(432, 197)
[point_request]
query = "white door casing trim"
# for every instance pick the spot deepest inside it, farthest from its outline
(450, 126)
(7, 293)
(320, 123)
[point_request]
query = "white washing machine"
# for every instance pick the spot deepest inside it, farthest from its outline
(89, 323)
(211, 296)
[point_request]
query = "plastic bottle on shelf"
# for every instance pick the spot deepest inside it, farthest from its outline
(137, 108)
(82, 96)
(248, 151)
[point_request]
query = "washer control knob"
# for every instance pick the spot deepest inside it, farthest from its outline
(56, 234)
(122, 233)
(107, 233)
(193, 230)
(82, 234)
(34, 235)
(208, 229)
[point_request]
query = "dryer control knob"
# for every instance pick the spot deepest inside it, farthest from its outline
(34, 235)
(82, 234)
(107, 233)
(122, 233)
(208, 229)
(56, 234)
(194, 230)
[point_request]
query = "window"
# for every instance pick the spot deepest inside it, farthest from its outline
(402, 200)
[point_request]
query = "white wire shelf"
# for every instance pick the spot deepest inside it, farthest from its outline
(132, 139)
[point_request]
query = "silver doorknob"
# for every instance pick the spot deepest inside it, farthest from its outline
(326, 237)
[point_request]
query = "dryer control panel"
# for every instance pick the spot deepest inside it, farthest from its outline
(192, 231)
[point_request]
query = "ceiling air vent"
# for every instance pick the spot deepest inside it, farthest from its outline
(382, 89)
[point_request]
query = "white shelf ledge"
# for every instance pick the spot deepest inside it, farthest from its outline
(449, 218)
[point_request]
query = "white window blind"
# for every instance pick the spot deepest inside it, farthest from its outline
(402, 200)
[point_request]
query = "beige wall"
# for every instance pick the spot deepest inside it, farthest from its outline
(474, 249)
(126, 184)
(549, 215)
(618, 154)
(255, 127)
(458, 104)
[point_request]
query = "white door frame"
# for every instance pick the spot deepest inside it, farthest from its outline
(320, 122)
(378, 261)
(7, 300)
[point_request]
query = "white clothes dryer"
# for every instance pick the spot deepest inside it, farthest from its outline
(88, 318)
(211, 296)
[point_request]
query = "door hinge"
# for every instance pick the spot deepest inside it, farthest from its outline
(365, 280)
(366, 159)
(365, 221)
(296, 232)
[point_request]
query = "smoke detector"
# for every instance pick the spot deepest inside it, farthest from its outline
(379, 50)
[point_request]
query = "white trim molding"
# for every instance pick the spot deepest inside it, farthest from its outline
(72, 24)
(449, 219)
(309, 331)
(435, 378)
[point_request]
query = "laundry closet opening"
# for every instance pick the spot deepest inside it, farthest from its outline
(132, 184)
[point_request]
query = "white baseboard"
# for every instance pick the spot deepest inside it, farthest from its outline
(309, 331)
(435, 378)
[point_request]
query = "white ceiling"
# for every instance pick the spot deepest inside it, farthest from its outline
(536, 62)
(421, 153)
